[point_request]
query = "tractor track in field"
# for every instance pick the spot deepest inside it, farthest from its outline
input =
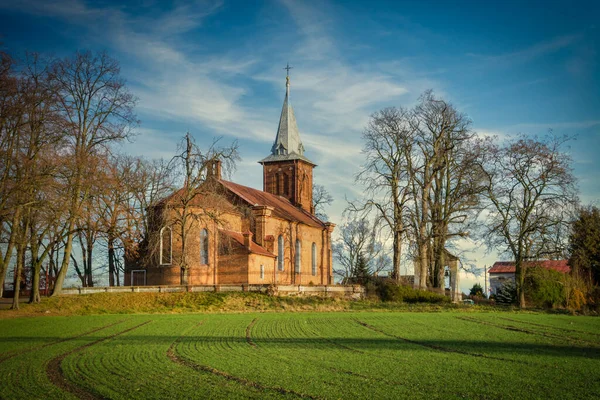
(56, 375)
(8, 356)
(249, 333)
(550, 327)
(438, 348)
(527, 331)
(173, 356)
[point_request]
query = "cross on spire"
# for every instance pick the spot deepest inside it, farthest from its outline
(287, 68)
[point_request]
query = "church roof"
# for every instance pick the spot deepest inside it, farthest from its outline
(287, 145)
(254, 248)
(282, 208)
(213, 196)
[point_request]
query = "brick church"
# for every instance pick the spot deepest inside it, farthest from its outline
(268, 236)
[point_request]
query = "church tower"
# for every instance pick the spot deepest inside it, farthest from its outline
(286, 171)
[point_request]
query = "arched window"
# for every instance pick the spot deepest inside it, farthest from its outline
(277, 184)
(314, 259)
(286, 185)
(166, 244)
(298, 256)
(280, 252)
(204, 247)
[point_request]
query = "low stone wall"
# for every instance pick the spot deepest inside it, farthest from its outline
(347, 291)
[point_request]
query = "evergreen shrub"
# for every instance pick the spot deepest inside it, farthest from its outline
(546, 287)
(389, 290)
(507, 293)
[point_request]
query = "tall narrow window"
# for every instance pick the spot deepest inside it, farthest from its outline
(314, 259)
(204, 247)
(277, 184)
(262, 271)
(286, 185)
(280, 252)
(298, 255)
(166, 242)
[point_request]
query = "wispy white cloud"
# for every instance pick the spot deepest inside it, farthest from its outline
(527, 54)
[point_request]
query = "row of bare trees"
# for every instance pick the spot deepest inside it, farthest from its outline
(64, 191)
(431, 180)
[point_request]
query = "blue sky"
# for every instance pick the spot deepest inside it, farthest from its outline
(215, 68)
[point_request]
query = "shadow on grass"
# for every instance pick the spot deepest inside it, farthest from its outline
(506, 349)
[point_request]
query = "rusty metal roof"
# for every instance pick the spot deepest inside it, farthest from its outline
(508, 267)
(254, 248)
(282, 208)
(209, 196)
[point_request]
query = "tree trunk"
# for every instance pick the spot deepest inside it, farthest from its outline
(4, 262)
(111, 261)
(440, 264)
(520, 278)
(34, 297)
(185, 275)
(397, 255)
(18, 272)
(88, 266)
(62, 272)
(36, 266)
(422, 263)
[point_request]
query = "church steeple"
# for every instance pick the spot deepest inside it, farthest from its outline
(287, 140)
(286, 171)
(287, 145)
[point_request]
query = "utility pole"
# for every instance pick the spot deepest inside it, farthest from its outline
(485, 280)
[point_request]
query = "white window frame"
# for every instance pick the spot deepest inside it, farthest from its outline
(314, 259)
(170, 247)
(298, 258)
(280, 253)
(202, 249)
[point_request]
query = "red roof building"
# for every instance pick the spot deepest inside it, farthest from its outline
(502, 271)
(503, 267)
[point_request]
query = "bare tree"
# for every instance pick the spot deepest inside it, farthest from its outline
(198, 167)
(155, 180)
(388, 145)
(29, 141)
(528, 181)
(12, 115)
(423, 181)
(98, 110)
(321, 198)
(359, 244)
(447, 179)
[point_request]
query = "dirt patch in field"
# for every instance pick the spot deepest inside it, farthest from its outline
(249, 333)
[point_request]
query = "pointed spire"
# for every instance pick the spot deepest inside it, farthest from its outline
(287, 145)
(287, 141)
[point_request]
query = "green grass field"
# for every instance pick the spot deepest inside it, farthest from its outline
(301, 355)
